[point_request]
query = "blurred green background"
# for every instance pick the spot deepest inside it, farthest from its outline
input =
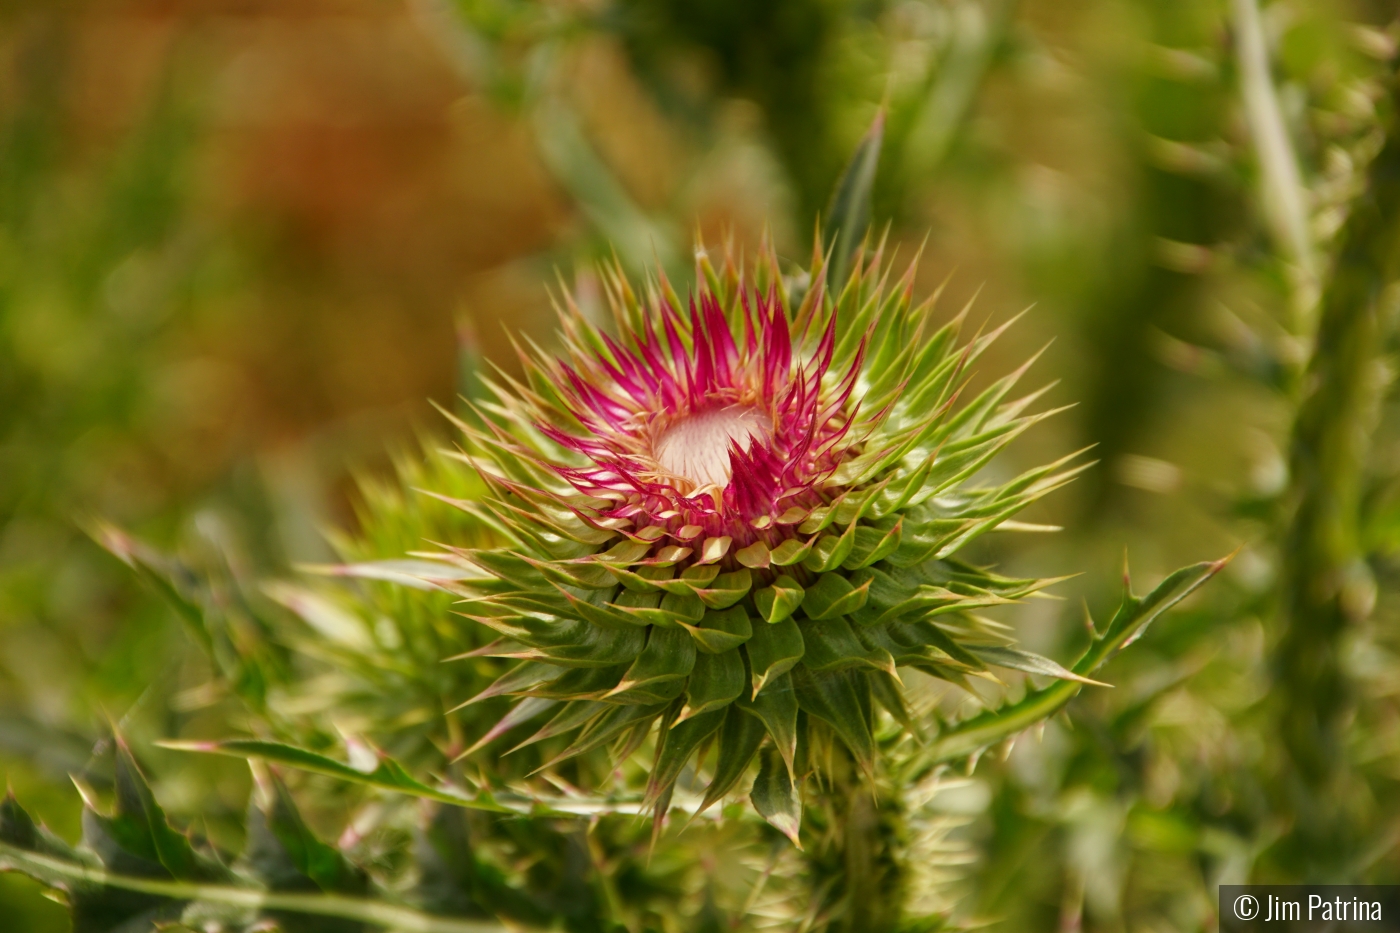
(244, 242)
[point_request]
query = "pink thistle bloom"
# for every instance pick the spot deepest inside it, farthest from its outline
(693, 429)
(750, 509)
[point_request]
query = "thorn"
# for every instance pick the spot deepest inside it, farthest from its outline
(1219, 565)
(1089, 622)
(1127, 576)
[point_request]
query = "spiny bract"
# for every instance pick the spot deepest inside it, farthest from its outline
(741, 517)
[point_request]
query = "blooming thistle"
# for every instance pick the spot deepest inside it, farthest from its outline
(737, 516)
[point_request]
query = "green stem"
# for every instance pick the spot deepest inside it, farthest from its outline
(57, 872)
(859, 849)
(1326, 587)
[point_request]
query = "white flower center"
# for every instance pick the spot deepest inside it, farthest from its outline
(697, 448)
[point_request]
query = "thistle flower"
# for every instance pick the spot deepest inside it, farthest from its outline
(735, 515)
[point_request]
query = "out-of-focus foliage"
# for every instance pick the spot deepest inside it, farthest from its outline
(234, 234)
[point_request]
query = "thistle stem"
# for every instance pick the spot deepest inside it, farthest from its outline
(859, 849)
(1327, 588)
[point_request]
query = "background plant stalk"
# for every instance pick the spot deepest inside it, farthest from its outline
(1327, 586)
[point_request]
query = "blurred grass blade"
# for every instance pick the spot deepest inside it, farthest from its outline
(1283, 196)
(849, 212)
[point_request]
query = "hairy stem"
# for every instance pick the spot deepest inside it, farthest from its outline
(861, 847)
(1326, 586)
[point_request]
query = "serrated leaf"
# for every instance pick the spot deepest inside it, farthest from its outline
(1133, 617)
(715, 682)
(453, 882)
(772, 651)
(773, 797)
(139, 826)
(777, 602)
(283, 853)
(739, 739)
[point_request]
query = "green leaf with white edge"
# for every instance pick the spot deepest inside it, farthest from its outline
(772, 651)
(833, 595)
(414, 574)
(739, 739)
(1134, 615)
(721, 631)
(776, 708)
(777, 602)
(835, 697)
(1028, 662)
(848, 214)
(773, 797)
(389, 775)
(715, 682)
